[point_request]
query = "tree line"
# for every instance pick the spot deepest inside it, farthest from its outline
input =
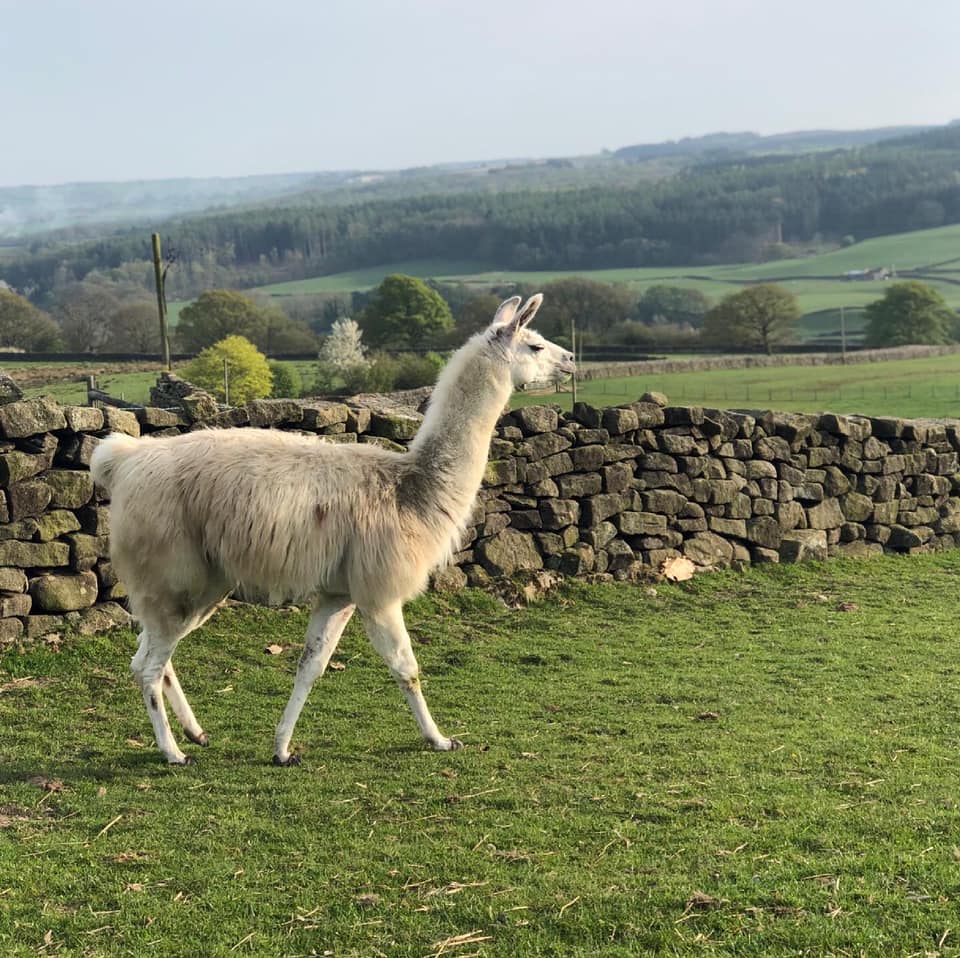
(716, 211)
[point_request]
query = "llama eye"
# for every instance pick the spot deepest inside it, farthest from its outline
(536, 349)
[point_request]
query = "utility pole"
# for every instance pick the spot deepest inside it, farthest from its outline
(161, 300)
(573, 349)
(843, 339)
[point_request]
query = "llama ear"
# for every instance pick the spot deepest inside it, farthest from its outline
(529, 310)
(505, 311)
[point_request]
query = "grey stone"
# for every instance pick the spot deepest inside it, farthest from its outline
(825, 515)
(579, 559)
(578, 484)
(152, 418)
(18, 603)
(772, 448)
(10, 630)
(683, 415)
(199, 406)
(449, 579)
(85, 550)
(903, 538)
(542, 445)
(586, 414)
(537, 419)
(69, 488)
(641, 523)
(317, 414)
(764, 531)
(856, 507)
(728, 527)
(559, 513)
(28, 417)
(617, 420)
(509, 552)
(28, 498)
(32, 555)
(708, 549)
(16, 466)
(594, 509)
(64, 593)
(120, 420)
(500, 472)
(801, 545)
(588, 458)
(22, 529)
(9, 390)
(55, 523)
(13, 580)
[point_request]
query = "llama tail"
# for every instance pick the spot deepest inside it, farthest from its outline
(110, 452)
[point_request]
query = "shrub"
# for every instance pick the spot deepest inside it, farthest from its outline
(287, 383)
(417, 371)
(379, 375)
(248, 371)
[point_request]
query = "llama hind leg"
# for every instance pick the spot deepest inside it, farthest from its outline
(389, 637)
(327, 623)
(165, 623)
(181, 707)
(149, 666)
(178, 701)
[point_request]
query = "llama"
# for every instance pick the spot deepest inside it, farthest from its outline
(195, 516)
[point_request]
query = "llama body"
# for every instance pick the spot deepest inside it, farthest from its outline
(345, 527)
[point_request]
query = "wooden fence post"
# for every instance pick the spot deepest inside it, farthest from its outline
(161, 300)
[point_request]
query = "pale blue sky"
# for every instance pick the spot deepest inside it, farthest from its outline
(121, 89)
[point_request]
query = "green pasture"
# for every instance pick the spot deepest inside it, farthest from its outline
(760, 764)
(818, 281)
(909, 388)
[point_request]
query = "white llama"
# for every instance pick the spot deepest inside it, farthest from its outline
(346, 527)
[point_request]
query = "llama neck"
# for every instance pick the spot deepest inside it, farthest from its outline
(450, 450)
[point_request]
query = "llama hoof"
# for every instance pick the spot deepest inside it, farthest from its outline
(289, 761)
(202, 739)
(448, 745)
(186, 760)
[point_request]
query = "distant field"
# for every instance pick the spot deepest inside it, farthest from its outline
(817, 281)
(909, 388)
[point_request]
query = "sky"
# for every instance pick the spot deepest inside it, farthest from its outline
(95, 90)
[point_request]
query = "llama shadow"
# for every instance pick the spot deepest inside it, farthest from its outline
(84, 769)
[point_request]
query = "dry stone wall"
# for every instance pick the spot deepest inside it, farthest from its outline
(610, 492)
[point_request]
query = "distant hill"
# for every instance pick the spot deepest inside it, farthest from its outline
(27, 210)
(802, 141)
(77, 211)
(582, 214)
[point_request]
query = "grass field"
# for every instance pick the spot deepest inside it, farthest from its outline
(762, 764)
(818, 281)
(909, 388)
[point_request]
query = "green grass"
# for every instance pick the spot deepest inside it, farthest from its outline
(133, 387)
(760, 764)
(909, 388)
(928, 387)
(817, 281)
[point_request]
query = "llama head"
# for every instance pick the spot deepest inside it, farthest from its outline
(532, 358)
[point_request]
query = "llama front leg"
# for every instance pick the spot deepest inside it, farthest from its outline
(323, 633)
(389, 637)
